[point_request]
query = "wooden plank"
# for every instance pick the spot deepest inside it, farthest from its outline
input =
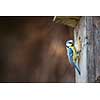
(96, 28)
(90, 50)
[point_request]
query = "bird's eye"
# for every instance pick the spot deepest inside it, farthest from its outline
(70, 42)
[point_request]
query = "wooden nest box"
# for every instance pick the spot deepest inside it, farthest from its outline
(70, 21)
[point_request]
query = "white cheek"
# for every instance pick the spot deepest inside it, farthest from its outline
(68, 45)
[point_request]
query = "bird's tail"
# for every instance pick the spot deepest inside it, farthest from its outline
(77, 68)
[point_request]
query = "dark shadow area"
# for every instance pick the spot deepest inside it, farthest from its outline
(32, 49)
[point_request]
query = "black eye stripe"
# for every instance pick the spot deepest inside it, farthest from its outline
(70, 42)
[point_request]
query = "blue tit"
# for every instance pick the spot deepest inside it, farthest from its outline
(72, 55)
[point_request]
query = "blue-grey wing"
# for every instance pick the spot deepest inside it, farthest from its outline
(70, 57)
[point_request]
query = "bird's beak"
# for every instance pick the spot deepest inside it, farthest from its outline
(67, 47)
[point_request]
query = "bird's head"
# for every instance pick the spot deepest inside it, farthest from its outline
(69, 43)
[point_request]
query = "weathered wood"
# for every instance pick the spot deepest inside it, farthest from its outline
(96, 29)
(90, 49)
(80, 31)
(87, 56)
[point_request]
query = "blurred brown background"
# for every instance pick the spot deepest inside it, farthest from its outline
(32, 49)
